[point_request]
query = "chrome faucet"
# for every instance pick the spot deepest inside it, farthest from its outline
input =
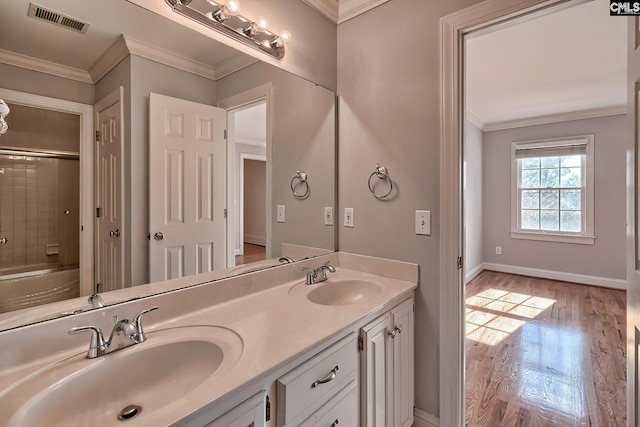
(96, 301)
(285, 260)
(125, 333)
(319, 274)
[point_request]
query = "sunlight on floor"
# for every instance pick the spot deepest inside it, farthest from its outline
(493, 315)
(550, 355)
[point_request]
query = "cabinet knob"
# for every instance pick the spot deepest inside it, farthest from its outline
(396, 330)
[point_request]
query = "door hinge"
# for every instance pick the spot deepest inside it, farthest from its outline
(414, 307)
(360, 344)
(225, 134)
(97, 136)
(414, 411)
(225, 213)
(459, 263)
(98, 212)
(268, 410)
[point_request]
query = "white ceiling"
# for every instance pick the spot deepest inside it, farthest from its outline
(571, 61)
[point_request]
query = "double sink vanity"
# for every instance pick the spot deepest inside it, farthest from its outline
(326, 341)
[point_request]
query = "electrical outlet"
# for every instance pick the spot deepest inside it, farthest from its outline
(348, 217)
(498, 250)
(280, 213)
(328, 216)
(423, 223)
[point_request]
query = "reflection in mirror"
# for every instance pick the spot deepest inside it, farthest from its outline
(276, 123)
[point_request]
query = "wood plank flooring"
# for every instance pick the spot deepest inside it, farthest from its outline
(544, 353)
(252, 253)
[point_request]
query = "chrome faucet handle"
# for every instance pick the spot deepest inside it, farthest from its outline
(327, 265)
(97, 345)
(311, 275)
(137, 322)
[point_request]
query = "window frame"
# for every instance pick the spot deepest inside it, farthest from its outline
(586, 236)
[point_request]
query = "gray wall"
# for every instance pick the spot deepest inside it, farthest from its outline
(254, 201)
(606, 258)
(473, 217)
(303, 138)
(246, 149)
(29, 81)
(389, 112)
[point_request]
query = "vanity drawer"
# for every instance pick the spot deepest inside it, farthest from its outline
(340, 410)
(313, 383)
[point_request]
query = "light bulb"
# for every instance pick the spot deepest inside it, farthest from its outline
(234, 7)
(285, 36)
(4, 109)
(261, 23)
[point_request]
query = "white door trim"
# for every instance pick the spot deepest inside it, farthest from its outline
(262, 92)
(453, 29)
(243, 157)
(86, 171)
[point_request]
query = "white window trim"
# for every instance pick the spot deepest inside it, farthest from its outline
(586, 238)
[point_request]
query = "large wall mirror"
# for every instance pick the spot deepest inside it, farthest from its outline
(127, 132)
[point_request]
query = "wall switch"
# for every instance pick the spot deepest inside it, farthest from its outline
(280, 213)
(328, 216)
(348, 217)
(423, 223)
(498, 250)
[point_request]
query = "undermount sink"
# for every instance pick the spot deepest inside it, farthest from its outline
(338, 291)
(157, 375)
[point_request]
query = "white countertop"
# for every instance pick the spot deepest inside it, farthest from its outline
(274, 326)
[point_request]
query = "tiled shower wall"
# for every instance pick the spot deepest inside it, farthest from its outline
(28, 210)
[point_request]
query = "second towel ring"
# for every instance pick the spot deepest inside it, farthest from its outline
(301, 177)
(383, 174)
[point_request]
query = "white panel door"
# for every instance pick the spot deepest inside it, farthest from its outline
(109, 232)
(187, 182)
(403, 366)
(376, 380)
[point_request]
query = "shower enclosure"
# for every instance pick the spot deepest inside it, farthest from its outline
(39, 210)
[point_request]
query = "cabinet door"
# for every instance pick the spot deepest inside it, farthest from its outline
(249, 413)
(376, 377)
(402, 342)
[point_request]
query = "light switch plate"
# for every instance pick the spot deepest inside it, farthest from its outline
(423, 223)
(280, 213)
(328, 216)
(348, 217)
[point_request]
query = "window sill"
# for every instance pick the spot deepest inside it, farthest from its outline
(550, 237)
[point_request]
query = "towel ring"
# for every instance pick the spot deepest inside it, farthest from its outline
(383, 174)
(301, 177)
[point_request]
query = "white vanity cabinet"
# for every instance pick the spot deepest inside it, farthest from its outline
(387, 368)
(250, 413)
(321, 390)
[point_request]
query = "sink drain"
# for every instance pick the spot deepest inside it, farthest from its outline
(129, 412)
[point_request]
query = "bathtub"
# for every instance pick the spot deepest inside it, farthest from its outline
(23, 290)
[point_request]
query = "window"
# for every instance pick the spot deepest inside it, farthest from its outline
(552, 190)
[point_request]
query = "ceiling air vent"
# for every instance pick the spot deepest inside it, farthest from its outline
(57, 18)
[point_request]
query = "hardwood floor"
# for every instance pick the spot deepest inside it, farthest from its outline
(252, 253)
(544, 353)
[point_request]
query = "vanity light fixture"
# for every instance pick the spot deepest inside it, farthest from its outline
(226, 19)
(4, 110)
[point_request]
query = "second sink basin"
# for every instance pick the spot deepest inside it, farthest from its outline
(157, 375)
(338, 291)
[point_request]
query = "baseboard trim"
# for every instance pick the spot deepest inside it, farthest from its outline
(255, 240)
(425, 419)
(584, 279)
(473, 273)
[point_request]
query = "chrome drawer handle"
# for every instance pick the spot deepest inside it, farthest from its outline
(335, 423)
(397, 330)
(326, 379)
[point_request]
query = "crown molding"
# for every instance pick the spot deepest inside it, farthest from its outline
(112, 57)
(232, 64)
(42, 66)
(557, 118)
(328, 8)
(351, 8)
(154, 53)
(468, 114)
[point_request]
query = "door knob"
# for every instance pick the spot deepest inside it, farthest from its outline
(3, 241)
(158, 236)
(115, 233)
